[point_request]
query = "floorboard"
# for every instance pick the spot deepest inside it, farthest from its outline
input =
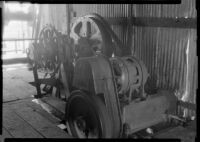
(5, 134)
(179, 132)
(41, 124)
(17, 127)
(55, 102)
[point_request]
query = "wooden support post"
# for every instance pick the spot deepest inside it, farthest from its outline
(37, 83)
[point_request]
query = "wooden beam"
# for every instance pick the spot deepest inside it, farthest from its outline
(18, 16)
(15, 60)
(156, 22)
(19, 39)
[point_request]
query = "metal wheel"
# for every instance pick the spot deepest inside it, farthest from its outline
(87, 116)
(48, 48)
(91, 37)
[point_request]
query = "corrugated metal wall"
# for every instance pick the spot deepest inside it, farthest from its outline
(163, 50)
(54, 14)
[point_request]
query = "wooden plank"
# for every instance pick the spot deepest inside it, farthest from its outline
(15, 84)
(16, 126)
(56, 103)
(8, 96)
(18, 16)
(19, 39)
(15, 60)
(56, 106)
(39, 108)
(42, 125)
(6, 134)
(179, 132)
(42, 112)
(50, 109)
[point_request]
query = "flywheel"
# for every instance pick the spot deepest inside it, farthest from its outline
(87, 116)
(92, 35)
(48, 48)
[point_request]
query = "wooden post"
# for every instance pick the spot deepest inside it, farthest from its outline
(37, 83)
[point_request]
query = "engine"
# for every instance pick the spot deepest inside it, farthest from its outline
(107, 96)
(118, 83)
(109, 100)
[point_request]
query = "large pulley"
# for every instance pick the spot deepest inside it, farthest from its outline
(87, 116)
(92, 35)
(46, 49)
(51, 53)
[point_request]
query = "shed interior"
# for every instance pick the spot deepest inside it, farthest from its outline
(162, 36)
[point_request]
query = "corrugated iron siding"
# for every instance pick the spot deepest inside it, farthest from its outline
(163, 50)
(185, 9)
(54, 14)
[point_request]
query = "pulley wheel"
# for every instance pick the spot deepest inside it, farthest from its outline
(91, 37)
(48, 34)
(87, 116)
(48, 47)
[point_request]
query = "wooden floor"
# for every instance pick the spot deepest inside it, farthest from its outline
(16, 80)
(182, 133)
(26, 119)
(22, 116)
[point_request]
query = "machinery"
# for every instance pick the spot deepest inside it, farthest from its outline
(51, 56)
(109, 100)
(107, 96)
